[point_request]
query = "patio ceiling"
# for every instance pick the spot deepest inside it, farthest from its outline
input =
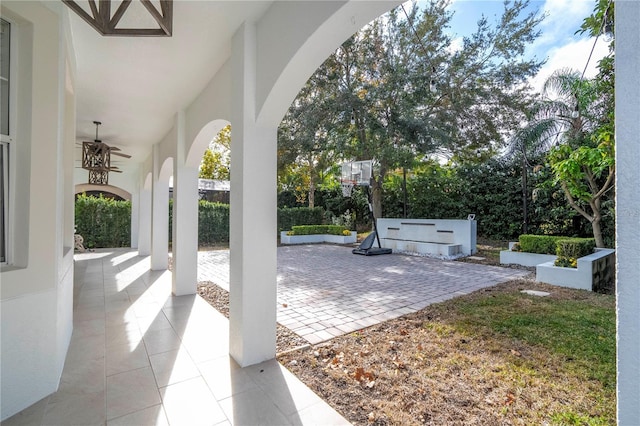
(135, 85)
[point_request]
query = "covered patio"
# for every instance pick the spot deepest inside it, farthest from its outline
(162, 100)
(141, 356)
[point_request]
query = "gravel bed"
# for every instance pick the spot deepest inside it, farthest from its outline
(286, 340)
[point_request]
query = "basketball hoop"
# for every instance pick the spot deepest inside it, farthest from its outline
(347, 189)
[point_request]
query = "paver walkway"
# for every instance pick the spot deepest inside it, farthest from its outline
(325, 291)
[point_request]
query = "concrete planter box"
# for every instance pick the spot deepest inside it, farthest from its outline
(523, 258)
(317, 238)
(593, 271)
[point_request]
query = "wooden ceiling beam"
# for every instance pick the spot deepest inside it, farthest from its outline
(105, 24)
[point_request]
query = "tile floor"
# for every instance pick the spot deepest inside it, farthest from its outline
(139, 356)
(326, 291)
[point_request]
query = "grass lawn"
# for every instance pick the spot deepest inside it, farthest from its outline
(496, 356)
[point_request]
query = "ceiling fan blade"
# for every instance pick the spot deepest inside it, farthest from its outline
(115, 171)
(120, 154)
(114, 148)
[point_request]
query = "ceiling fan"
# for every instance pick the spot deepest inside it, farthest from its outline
(96, 158)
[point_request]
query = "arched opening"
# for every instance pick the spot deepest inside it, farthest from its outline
(202, 140)
(108, 191)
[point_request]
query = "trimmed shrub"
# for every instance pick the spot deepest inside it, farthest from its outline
(213, 223)
(318, 229)
(290, 217)
(103, 222)
(574, 248)
(542, 244)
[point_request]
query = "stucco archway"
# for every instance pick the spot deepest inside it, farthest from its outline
(87, 187)
(202, 140)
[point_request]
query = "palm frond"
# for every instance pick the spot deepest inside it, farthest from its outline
(563, 83)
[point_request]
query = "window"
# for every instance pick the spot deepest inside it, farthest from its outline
(5, 45)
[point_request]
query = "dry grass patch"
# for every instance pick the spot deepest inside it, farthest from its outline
(495, 356)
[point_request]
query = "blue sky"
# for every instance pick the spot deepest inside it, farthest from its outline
(557, 43)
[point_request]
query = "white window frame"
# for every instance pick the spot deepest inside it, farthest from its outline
(5, 144)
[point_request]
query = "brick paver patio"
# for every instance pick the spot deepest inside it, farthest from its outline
(325, 291)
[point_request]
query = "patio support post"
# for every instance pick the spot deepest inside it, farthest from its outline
(135, 218)
(159, 217)
(144, 220)
(627, 209)
(185, 218)
(252, 316)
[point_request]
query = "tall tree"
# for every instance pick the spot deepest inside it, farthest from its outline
(305, 148)
(578, 130)
(400, 90)
(574, 122)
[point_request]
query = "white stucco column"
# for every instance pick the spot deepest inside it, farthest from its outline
(135, 218)
(159, 216)
(628, 210)
(185, 218)
(252, 322)
(144, 222)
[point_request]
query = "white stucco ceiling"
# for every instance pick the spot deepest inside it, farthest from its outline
(135, 85)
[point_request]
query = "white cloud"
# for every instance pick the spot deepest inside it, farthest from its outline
(572, 55)
(562, 14)
(455, 45)
(559, 10)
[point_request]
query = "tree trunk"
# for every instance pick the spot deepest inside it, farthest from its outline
(525, 218)
(597, 233)
(404, 192)
(312, 194)
(596, 223)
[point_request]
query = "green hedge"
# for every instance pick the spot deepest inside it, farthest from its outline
(213, 223)
(567, 249)
(103, 222)
(542, 244)
(290, 217)
(318, 229)
(213, 220)
(574, 248)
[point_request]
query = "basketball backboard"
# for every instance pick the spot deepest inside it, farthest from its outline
(357, 173)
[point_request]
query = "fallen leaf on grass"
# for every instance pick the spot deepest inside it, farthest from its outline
(509, 399)
(516, 353)
(364, 377)
(399, 364)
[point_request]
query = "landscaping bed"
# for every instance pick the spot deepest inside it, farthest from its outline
(309, 234)
(219, 299)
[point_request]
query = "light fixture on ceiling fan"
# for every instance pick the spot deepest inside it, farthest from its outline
(96, 158)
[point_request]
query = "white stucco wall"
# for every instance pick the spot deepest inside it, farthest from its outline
(208, 114)
(628, 210)
(36, 291)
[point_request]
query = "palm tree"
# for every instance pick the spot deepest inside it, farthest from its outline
(572, 125)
